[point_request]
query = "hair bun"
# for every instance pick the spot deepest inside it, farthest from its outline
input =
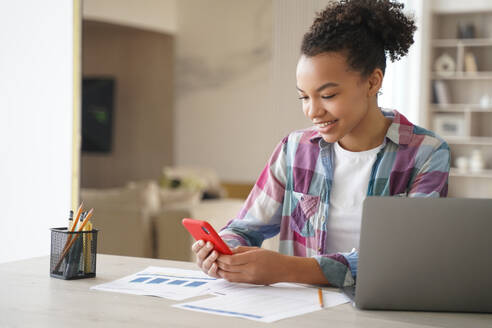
(384, 20)
(370, 30)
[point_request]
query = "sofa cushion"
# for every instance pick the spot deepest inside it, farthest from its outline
(179, 196)
(143, 195)
(204, 179)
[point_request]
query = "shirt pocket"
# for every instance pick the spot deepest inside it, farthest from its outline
(304, 210)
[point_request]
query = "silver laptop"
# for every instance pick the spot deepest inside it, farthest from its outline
(425, 254)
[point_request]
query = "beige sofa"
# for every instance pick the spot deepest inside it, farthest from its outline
(144, 220)
(124, 218)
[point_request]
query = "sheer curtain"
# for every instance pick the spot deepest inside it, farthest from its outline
(401, 88)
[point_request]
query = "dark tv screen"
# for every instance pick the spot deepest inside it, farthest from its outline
(97, 114)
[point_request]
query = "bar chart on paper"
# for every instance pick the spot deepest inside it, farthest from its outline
(170, 281)
(175, 284)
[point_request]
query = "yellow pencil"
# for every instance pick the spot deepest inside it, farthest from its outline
(320, 297)
(79, 212)
(74, 225)
(87, 248)
(65, 252)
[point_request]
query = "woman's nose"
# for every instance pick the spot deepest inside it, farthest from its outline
(314, 109)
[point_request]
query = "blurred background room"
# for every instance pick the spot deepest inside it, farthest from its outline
(181, 103)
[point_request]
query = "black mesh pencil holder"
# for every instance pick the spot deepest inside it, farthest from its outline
(73, 254)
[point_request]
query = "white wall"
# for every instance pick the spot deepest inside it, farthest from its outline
(36, 124)
(223, 111)
(156, 15)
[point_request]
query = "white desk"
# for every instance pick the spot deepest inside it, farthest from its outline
(30, 298)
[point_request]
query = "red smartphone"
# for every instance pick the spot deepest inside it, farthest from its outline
(202, 230)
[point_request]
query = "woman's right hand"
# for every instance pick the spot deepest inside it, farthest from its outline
(206, 257)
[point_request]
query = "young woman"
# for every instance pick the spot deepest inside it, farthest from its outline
(311, 190)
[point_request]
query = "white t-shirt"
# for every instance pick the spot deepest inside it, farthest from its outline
(352, 171)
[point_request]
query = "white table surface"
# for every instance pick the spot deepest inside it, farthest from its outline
(29, 297)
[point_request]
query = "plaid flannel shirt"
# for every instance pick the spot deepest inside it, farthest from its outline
(291, 196)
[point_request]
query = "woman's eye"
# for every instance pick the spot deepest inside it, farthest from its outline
(328, 97)
(323, 97)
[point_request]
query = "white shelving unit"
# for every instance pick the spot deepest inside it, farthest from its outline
(466, 91)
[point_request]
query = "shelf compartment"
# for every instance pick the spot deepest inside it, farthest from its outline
(447, 24)
(467, 151)
(451, 124)
(481, 58)
(460, 91)
(481, 125)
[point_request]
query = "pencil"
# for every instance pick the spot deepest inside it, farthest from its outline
(320, 297)
(65, 252)
(79, 212)
(87, 248)
(74, 225)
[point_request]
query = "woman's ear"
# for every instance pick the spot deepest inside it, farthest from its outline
(375, 82)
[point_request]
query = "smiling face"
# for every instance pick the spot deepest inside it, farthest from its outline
(336, 99)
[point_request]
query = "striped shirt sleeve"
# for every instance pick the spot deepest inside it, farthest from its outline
(261, 214)
(431, 178)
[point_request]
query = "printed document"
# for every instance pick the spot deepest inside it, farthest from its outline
(175, 284)
(267, 303)
(255, 302)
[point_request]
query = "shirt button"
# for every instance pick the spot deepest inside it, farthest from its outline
(323, 219)
(319, 249)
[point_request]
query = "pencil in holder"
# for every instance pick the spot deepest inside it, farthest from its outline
(73, 254)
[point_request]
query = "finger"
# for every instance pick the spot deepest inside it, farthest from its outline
(207, 263)
(231, 268)
(242, 249)
(233, 276)
(236, 259)
(204, 251)
(212, 272)
(197, 246)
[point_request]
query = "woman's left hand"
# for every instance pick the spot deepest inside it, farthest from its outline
(252, 265)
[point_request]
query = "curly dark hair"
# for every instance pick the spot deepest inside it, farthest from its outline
(367, 30)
